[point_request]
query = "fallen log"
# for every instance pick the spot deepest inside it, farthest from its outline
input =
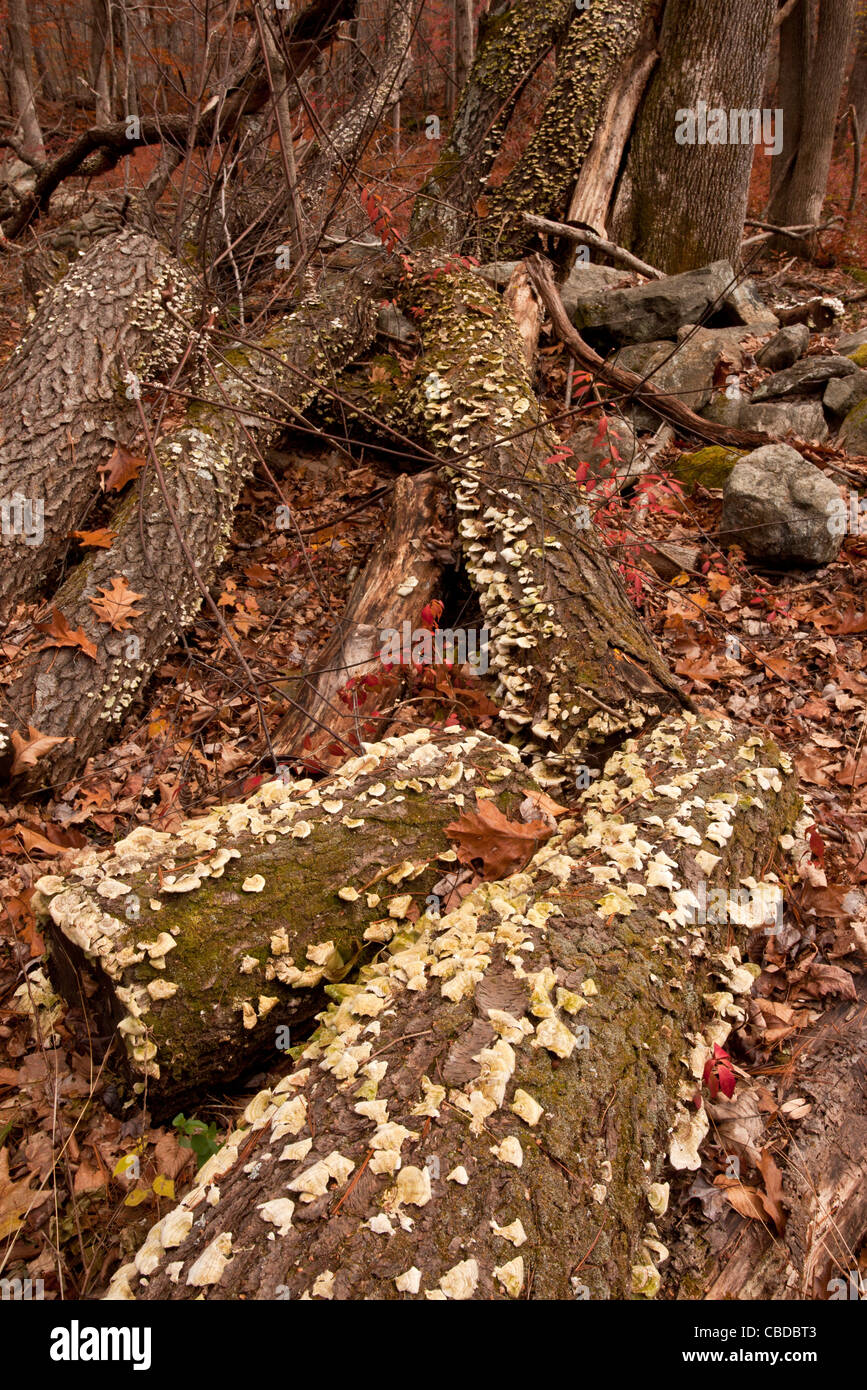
(493, 1109)
(403, 574)
(171, 535)
(576, 670)
(64, 402)
(208, 946)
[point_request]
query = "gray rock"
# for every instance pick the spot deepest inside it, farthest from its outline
(785, 347)
(744, 303)
(391, 323)
(731, 337)
(843, 394)
(804, 376)
(805, 419)
(853, 431)
(585, 279)
(685, 369)
(649, 312)
(850, 341)
(778, 508)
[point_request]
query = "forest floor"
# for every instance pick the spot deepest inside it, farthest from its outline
(81, 1178)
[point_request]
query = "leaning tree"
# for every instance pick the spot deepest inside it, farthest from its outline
(499, 1089)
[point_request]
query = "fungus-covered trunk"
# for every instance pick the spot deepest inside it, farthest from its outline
(494, 1107)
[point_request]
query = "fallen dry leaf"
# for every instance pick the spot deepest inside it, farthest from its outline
(116, 605)
(29, 750)
(121, 468)
(101, 539)
(60, 634)
(503, 846)
(16, 1199)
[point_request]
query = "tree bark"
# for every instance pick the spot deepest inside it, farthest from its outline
(21, 83)
(63, 401)
(171, 536)
(514, 37)
(683, 205)
(527, 1059)
(306, 844)
(599, 44)
(800, 193)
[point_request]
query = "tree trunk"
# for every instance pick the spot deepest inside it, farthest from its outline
(124, 306)
(21, 85)
(599, 44)
(491, 1104)
(856, 93)
(101, 61)
(800, 193)
(171, 536)
(683, 205)
(514, 37)
(797, 42)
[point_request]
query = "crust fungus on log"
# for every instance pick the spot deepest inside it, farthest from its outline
(202, 944)
(576, 668)
(63, 404)
(69, 695)
(492, 1109)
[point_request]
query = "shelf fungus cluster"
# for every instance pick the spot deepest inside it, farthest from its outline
(503, 1084)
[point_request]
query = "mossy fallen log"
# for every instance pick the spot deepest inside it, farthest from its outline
(494, 1109)
(210, 948)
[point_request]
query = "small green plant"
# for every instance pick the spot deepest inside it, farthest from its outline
(198, 1136)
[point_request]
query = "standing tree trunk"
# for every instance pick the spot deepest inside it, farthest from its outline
(796, 43)
(800, 192)
(683, 205)
(20, 74)
(856, 94)
(101, 66)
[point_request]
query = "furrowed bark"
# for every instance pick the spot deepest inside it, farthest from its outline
(493, 1110)
(69, 695)
(513, 40)
(236, 906)
(63, 401)
(576, 669)
(405, 560)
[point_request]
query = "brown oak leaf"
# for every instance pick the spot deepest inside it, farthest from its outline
(121, 468)
(60, 634)
(29, 750)
(116, 605)
(503, 846)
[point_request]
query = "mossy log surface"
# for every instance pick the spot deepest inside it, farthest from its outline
(494, 1109)
(199, 941)
(69, 695)
(576, 669)
(126, 305)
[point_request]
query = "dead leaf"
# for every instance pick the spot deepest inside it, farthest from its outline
(16, 1199)
(772, 1197)
(503, 846)
(121, 468)
(116, 605)
(102, 539)
(60, 634)
(29, 750)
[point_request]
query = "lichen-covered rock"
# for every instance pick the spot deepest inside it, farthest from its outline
(777, 508)
(853, 431)
(844, 393)
(710, 467)
(653, 311)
